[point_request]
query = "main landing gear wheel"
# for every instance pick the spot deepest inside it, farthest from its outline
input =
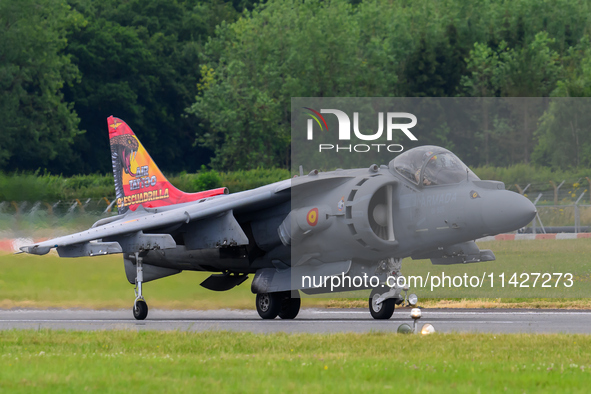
(268, 305)
(290, 307)
(271, 305)
(383, 310)
(140, 310)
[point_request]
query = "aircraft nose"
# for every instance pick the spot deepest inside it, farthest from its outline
(508, 211)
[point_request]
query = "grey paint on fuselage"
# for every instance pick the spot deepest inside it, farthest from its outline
(425, 218)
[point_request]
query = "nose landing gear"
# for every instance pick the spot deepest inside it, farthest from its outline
(381, 301)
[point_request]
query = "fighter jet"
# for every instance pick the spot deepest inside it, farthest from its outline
(425, 204)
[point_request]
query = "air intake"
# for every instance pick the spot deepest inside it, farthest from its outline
(380, 214)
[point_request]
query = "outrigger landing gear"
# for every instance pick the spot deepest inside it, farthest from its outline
(140, 308)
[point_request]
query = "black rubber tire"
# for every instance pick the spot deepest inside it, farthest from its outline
(384, 310)
(140, 310)
(290, 307)
(268, 305)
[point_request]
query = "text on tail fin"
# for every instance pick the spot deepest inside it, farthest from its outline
(138, 181)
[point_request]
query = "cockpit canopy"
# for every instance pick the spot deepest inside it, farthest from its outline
(431, 165)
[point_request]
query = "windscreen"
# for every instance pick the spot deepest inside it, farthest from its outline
(431, 165)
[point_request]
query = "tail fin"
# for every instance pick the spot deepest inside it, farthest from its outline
(138, 181)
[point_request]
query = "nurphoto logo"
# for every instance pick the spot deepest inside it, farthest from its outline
(392, 120)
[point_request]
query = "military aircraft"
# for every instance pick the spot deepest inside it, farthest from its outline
(425, 204)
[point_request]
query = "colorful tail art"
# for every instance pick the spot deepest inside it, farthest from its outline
(138, 181)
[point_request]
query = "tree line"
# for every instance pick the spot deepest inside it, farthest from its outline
(210, 82)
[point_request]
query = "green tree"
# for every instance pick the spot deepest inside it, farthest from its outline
(482, 81)
(139, 61)
(282, 49)
(38, 126)
(530, 71)
(436, 66)
(564, 140)
(577, 65)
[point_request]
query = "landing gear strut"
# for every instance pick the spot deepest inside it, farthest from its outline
(271, 305)
(140, 308)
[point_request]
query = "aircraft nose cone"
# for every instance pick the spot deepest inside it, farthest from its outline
(508, 211)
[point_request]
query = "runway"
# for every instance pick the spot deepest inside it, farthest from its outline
(308, 321)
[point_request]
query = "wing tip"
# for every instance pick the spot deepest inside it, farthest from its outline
(34, 249)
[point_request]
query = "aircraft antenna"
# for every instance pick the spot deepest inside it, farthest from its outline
(301, 170)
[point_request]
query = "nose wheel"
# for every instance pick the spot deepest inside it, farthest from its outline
(383, 310)
(140, 308)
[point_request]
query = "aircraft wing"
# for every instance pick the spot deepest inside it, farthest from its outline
(72, 245)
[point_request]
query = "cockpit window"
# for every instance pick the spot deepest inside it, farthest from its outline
(431, 165)
(410, 163)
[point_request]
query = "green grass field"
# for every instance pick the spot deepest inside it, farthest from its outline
(99, 282)
(520, 257)
(146, 362)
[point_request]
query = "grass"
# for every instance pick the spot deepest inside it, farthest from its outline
(534, 256)
(150, 361)
(100, 283)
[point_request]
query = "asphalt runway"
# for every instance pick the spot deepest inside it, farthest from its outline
(308, 321)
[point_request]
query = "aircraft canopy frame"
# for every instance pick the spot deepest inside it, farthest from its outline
(431, 166)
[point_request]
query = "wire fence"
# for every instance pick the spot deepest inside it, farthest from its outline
(562, 206)
(565, 192)
(574, 218)
(51, 219)
(102, 206)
